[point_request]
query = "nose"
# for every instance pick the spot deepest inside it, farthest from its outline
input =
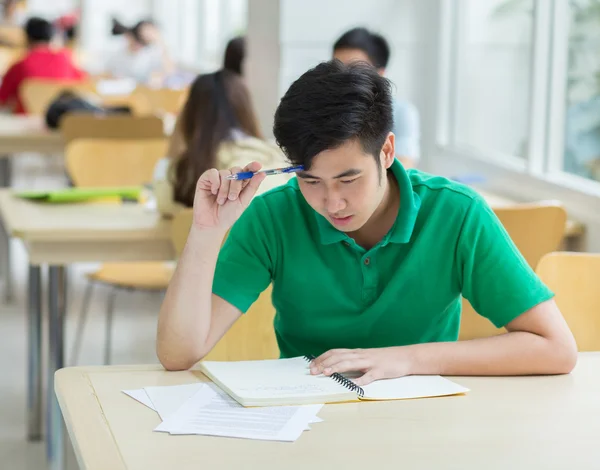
(334, 202)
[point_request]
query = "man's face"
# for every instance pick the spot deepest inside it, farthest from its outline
(345, 185)
(349, 56)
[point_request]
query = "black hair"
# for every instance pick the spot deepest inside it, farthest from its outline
(373, 45)
(38, 30)
(234, 54)
(71, 32)
(119, 28)
(332, 104)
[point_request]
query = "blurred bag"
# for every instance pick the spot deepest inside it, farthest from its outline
(68, 101)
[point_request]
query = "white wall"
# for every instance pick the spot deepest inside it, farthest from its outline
(299, 35)
(50, 9)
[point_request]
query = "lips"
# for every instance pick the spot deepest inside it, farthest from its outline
(341, 220)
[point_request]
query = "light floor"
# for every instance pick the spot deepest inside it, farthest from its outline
(133, 330)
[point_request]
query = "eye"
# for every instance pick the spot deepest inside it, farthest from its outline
(311, 182)
(349, 181)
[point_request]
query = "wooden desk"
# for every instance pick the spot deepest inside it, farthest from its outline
(19, 133)
(572, 230)
(55, 236)
(517, 423)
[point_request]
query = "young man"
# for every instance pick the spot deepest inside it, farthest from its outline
(41, 61)
(360, 44)
(368, 261)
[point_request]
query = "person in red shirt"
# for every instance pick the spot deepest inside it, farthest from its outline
(41, 61)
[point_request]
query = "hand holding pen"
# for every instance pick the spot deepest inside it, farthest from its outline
(222, 196)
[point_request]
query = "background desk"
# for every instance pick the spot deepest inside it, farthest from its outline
(518, 423)
(57, 235)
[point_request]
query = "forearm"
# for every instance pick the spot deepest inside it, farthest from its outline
(514, 353)
(184, 319)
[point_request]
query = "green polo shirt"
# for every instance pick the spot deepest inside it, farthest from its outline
(329, 292)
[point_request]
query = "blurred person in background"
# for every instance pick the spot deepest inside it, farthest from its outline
(145, 57)
(218, 128)
(361, 45)
(235, 52)
(42, 60)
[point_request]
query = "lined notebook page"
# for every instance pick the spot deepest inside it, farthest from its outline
(412, 386)
(272, 379)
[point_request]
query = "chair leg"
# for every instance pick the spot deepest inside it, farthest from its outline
(110, 308)
(85, 307)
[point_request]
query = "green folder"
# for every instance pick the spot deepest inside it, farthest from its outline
(80, 194)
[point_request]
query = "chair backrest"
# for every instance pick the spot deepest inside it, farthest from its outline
(252, 337)
(536, 229)
(88, 126)
(574, 277)
(8, 56)
(160, 100)
(113, 162)
(13, 35)
(37, 93)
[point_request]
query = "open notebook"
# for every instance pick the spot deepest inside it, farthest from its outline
(288, 382)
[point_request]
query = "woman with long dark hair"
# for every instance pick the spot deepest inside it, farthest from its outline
(218, 129)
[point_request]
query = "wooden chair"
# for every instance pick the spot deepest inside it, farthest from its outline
(116, 162)
(252, 337)
(12, 36)
(113, 162)
(88, 126)
(573, 277)
(8, 56)
(160, 100)
(536, 229)
(38, 93)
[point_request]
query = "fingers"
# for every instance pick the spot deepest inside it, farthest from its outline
(367, 378)
(215, 180)
(225, 189)
(253, 166)
(331, 357)
(223, 193)
(235, 186)
(250, 190)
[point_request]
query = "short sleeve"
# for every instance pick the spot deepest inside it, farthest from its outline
(495, 277)
(246, 260)
(406, 130)
(10, 84)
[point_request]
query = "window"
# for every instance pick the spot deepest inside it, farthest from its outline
(582, 93)
(521, 88)
(493, 75)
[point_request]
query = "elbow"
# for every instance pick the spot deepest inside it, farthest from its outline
(177, 360)
(564, 357)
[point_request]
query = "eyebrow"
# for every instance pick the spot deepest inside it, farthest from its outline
(345, 174)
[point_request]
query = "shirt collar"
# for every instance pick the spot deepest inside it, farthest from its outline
(403, 227)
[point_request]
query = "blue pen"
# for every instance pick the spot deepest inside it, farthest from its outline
(246, 175)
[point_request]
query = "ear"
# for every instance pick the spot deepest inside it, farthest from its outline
(381, 71)
(388, 151)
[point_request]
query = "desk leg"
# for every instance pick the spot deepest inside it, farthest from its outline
(34, 362)
(55, 444)
(5, 171)
(5, 272)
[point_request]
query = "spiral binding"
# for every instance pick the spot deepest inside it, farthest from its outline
(345, 382)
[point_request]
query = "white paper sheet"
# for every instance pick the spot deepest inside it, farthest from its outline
(212, 412)
(141, 396)
(167, 400)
